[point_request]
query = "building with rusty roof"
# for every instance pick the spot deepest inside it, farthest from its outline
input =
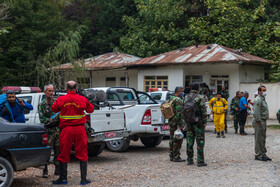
(213, 64)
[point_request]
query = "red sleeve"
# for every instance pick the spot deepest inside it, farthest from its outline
(55, 107)
(89, 107)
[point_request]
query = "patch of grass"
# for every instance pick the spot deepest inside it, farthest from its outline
(274, 127)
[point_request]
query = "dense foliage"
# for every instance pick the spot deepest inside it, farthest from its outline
(40, 34)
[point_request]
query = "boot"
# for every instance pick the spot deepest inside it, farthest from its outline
(223, 134)
(236, 131)
(83, 168)
(218, 135)
(45, 172)
(56, 170)
(62, 174)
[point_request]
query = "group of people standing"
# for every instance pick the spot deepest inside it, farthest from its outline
(218, 104)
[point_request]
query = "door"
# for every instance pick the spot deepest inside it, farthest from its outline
(218, 81)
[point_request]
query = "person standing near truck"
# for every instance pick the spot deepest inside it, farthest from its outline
(45, 114)
(261, 114)
(176, 122)
(218, 106)
(72, 119)
(13, 109)
(235, 110)
(195, 128)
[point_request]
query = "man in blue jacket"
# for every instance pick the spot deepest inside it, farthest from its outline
(13, 108)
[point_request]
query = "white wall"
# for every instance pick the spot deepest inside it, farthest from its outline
(251, 73)
(175, 75)
(99, 77)
(272, 98)
(216, 69)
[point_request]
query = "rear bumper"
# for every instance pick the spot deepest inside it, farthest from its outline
(30, 157)
(101, 137)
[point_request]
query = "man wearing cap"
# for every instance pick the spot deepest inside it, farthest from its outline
(13, 109)
(72, 119)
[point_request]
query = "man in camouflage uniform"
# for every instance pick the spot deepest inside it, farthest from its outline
(197, 130)
(225, 95)
(45, 114)
(176, 122)
(234, 110)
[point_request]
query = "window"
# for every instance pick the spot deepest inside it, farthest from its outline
(155, 82)
(218, 81)
(156, 96)
(84, 82)
(110, 81)
(122, 83)
(190, 79)
(26, 99)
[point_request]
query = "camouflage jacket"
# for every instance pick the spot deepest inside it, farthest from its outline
(177, 106)
(235, 103)
(225, 94)
(45, 112)
(199, 99)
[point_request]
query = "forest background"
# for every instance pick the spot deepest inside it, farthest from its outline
(36, 35)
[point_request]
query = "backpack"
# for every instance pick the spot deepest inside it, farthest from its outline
(167, 110)
(3, 99)
(190, 113)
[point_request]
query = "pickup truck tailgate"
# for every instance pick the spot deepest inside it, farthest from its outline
(157, 118)
(110, 120)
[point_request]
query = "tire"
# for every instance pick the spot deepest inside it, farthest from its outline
(95, 150)
(151, 141)
(6, 173)
(118, 145)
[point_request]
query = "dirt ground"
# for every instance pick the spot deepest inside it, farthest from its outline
(230, 163)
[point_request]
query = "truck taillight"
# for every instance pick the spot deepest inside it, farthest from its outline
(147, 118)
(44, 138)
(124, 120)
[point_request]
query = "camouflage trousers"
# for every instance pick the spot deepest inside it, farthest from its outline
(53, 142)
(195, 132)
(236, 119)
(174, 144)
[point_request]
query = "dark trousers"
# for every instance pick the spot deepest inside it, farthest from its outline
(243, 118)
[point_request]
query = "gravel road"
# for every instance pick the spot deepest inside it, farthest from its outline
(230, 163)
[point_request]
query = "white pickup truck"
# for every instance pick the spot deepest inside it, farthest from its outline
(108, 124)
(143, 118)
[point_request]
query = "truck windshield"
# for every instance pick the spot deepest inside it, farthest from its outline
(156, 96)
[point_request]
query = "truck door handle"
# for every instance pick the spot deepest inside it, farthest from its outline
(26, 119)
(108, 115)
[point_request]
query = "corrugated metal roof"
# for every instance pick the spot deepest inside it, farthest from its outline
(105, 61)
(202, 54)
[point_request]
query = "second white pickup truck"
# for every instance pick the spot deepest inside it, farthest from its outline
(144, 120)
(108, 124)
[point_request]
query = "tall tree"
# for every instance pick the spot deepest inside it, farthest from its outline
(239, 24)
(35, 27)
(103, 20)
(158, 27)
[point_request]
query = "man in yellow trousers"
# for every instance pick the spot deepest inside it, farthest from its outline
(218, 106)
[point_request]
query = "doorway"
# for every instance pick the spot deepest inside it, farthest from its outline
(218, 81)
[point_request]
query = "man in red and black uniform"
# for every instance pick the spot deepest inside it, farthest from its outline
(72, 120)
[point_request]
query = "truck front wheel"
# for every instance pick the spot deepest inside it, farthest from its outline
(118, 145)
(151, 141)
(95, 150)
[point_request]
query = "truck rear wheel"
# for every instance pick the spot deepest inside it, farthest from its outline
(6, 172)
(95, 150)
(151, 141)
(118, 145)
